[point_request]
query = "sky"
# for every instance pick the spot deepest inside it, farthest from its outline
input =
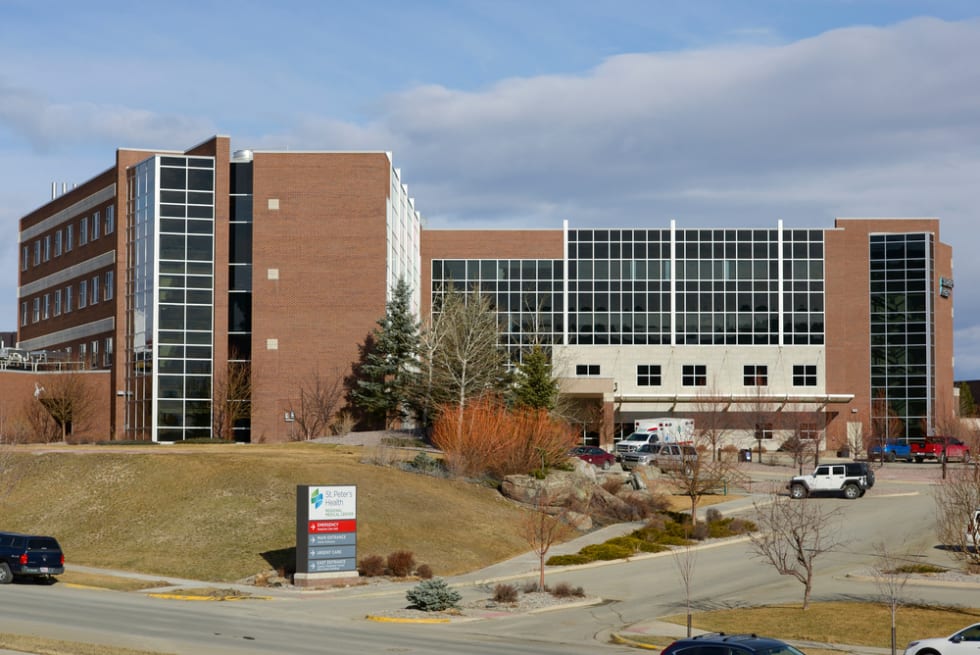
(525, 113)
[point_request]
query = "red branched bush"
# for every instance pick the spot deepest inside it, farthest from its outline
(487, 438)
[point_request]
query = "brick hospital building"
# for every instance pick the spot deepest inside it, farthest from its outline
(168, 265)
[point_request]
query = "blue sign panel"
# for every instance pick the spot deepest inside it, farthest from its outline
(333, 539)
(331, 565)
(332, 552)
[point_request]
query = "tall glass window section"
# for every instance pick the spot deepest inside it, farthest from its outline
(170, 297)
(526, 294)
(240, 289)
(902, 338)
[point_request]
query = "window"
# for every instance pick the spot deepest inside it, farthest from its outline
(82, 294)
(69, 237)
(96, 225)
(95, 354)
(648, 375)
(57, 302)
(755, 375)
(763, 431)
(694, 375)
(67, 299)
(57, 243)
(83, 231)
(23, 313)
(37, 310)
(107, 353)
(46, 307)
(95, 290)
(47, 247)
(81, 352)
(110, 219)
(809, 431)
(587, 369)
(108, 285)
(24, 258)
(804, 375)
(37, 253)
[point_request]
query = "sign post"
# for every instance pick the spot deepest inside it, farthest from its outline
(326, 533)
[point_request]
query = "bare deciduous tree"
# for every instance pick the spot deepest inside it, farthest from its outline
(890, 577)
(712, 420)
(68, 398)
(759, 415)
(319, 398)
(885, 423)
(541, 531)
(792, 534)
(232, 393)
(698, 475)
(685, 559)
(957, 497)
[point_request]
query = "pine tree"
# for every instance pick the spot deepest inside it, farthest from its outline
(389, 369)
(968, 406)
(536, 386)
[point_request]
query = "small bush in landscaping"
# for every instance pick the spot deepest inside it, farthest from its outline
(607, 551)
(918, 568)
(433, 596)
(701, 531)
(713, 515)
(372, 566)
(401, 563)
(612, 484)
(565, 590)
(505, 593)
(424, 463)
(568, 560)
(531, 586)
(424, 571)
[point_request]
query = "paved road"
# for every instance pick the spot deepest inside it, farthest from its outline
(898, 510)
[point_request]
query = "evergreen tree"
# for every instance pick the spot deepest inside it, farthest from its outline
(968, 406)
(536, 386)
(389, 368)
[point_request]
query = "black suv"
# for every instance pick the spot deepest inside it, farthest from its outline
(718, 643)
(29, 555)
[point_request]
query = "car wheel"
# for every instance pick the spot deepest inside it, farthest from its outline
(943, 459)
(918, 460)
(927, 651)
(890, 457)
(966, 457)
(852, 491)
(6, 577)
(606, 465)
(797, 491)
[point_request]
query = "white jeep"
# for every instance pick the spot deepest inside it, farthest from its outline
(852, 479)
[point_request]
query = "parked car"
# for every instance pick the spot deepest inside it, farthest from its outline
(645, 455)
(718, 642)
(29, 555)
(852, 479)
(891, 450)
(676, 457)
(940, 448)
(594, 455)
(966, 641)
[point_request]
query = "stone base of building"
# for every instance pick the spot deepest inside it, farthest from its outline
(327, 579)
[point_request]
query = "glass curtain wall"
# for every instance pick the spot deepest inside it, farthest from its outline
(240, 286)
(902, 338)
(170, 298)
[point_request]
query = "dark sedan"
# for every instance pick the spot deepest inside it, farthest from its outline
(594, 455)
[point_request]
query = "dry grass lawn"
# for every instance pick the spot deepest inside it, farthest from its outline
(858, 624)
(224, 512)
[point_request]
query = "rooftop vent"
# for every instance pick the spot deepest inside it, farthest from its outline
(241, 156)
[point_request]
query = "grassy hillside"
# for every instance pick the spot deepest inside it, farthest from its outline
(224, 512)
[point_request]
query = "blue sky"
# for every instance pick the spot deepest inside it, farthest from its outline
(505, 114)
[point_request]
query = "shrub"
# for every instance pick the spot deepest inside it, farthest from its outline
(565, 590)
(426, 464)
(612, 484)
(505, 593)
(424, 571)
(342, 424)
(433, 596)
(568, 560)
(607, 551)
(701, 531)
(713, 515)
(401, 563)
(531, 586)
(372, 566)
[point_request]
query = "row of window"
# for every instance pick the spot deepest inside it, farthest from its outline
(62, 301)
(696, 375)
(63, 240)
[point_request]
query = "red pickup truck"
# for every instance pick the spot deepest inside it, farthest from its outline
(939, 448)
